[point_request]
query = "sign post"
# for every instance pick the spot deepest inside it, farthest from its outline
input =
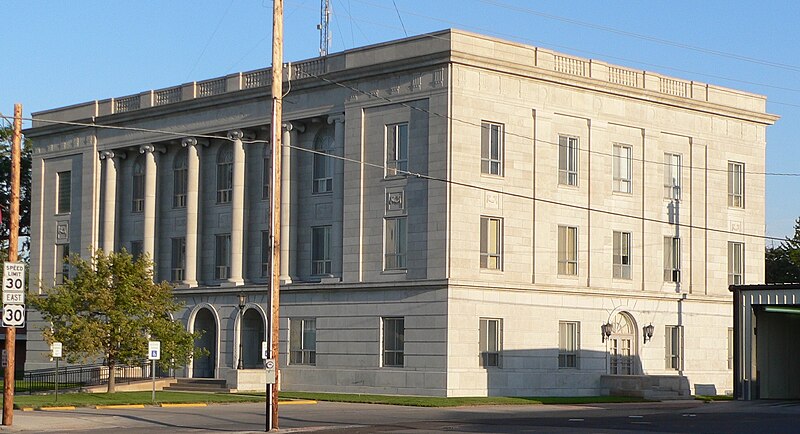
(269, 369)
(153, 353)
(56, 349)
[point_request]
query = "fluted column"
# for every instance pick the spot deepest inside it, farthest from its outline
(337, 238)
(237, 209)
(149, 236)
(288, 203)
(109, 198)
(192, 212)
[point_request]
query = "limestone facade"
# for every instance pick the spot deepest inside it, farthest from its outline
(461, 215)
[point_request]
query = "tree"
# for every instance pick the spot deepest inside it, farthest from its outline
(783, 262)
(110, 309)
(24, 191)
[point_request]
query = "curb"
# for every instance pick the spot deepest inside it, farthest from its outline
(26, 409)
(66, 407)
(106, 407)
(196, 404)
(298, 402)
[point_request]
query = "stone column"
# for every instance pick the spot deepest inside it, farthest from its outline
(110, 199)
(288, 203)
(237, 209)
(192, 212)
(149, 236)
(337, 238)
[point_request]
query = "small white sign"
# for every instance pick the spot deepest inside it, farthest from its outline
(154, 350)
(264, 350)
(13, 315)
(269, 367)
(5, 358)
(57, 349)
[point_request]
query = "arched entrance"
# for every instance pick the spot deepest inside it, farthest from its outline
(203, 364)
(622, 345)
(252, 334)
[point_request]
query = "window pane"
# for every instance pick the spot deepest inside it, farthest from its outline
(64, 192)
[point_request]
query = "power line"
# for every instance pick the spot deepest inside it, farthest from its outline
(430, 178)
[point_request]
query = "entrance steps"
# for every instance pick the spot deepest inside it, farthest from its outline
(652, 387)
(199, 385)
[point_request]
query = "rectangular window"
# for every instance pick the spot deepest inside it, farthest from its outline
(178, 259)
(567, 160)
(224, 181)
(266, 254)
(492, 139)
(672, 176)
(222, 257)
(672, 259)
(396, 149)
(491, 243)
(266, 178)
(491, 342)
(137, 248)
(323, 173)
(137, 189)
(622, 255)
(62, 267)
(730, 347)
(393, 341)
(735, 184)
(321, 250)
(64, 192)
(622, 168)
(735, 263)
(396, 242)
(568, 250)
(180, 177)
(569, 344)
(302, 341)
(674, 344)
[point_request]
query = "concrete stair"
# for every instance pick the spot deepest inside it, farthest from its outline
(199, 385)
(651, 387)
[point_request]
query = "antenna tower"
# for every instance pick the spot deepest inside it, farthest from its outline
(324, 28)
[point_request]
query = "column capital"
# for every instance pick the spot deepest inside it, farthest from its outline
(143, 149)
(112, 154)
(239, 134)
(292, 126)
(193, 141)
(336, 118)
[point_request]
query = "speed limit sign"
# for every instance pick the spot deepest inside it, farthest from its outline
(13, 315)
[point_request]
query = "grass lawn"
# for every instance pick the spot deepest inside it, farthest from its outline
(712, 398)
(119, 398)
(426, 401)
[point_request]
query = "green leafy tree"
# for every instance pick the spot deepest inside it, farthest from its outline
(24, 191)
(783, 261)
(109, 309)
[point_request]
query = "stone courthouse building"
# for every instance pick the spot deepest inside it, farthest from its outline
(462, 215)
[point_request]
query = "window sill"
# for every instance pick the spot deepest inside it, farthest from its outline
(569, 186)
(492, 270)
(395, 177)
(395, 271)
(322, 193)
(492, 175)
(622, 193)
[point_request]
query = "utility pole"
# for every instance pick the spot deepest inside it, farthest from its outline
(13, 234)
(275, 141)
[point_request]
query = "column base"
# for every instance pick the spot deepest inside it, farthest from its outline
(188, 284)
(233, 282)
(285, 280)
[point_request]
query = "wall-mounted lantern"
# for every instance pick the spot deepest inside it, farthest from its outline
(606, 329)
(648, 332)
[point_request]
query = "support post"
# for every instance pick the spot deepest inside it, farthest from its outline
(275, 141)
(13, 241)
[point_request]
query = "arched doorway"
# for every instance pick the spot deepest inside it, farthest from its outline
(203, 364)
(622, 345)
(252, 334)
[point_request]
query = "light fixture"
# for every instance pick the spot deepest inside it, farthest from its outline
(648, 332)
(606, 330)
(242, 304)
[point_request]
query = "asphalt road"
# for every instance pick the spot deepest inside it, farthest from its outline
(666, 417)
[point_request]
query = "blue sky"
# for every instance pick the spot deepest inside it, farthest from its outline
(63, 53)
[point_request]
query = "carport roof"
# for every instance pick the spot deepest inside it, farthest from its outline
(763, 286)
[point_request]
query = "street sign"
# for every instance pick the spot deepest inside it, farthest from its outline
(13, 283)
(13, 315)
(264, 350)
(154, 350)
(269, 367)
(57, 349)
